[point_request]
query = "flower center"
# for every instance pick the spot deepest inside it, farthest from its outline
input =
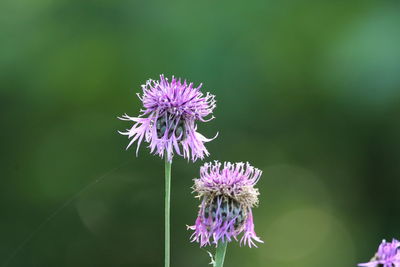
(174, 128)
(225, 209)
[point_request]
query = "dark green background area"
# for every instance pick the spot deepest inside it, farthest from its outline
(307, 91)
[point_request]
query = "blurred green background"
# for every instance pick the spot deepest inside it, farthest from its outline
(307, 91)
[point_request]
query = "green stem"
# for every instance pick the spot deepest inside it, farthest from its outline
(167, 208)
(220, 254)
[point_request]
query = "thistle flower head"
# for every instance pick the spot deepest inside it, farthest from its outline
(228, 196)
(168, 121)
(388, 255)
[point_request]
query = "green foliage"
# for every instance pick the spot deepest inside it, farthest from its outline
(307, 91)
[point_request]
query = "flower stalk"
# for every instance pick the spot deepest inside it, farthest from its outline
(167, 210)
(220, 254)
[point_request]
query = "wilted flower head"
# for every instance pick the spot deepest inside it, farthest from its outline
(168, 120)
(388, 255)
(228, 196)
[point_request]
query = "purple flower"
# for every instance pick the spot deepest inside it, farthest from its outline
(388, 255)
(168, 120)
(228, 196)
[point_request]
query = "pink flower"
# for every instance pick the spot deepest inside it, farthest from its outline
(388, 255)
(168, 121)
(228, 196)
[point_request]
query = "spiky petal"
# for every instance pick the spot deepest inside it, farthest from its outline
(228, 196)
(388, 255)
(168, 121)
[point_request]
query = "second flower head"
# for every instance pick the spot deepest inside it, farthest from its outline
(228, 196)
